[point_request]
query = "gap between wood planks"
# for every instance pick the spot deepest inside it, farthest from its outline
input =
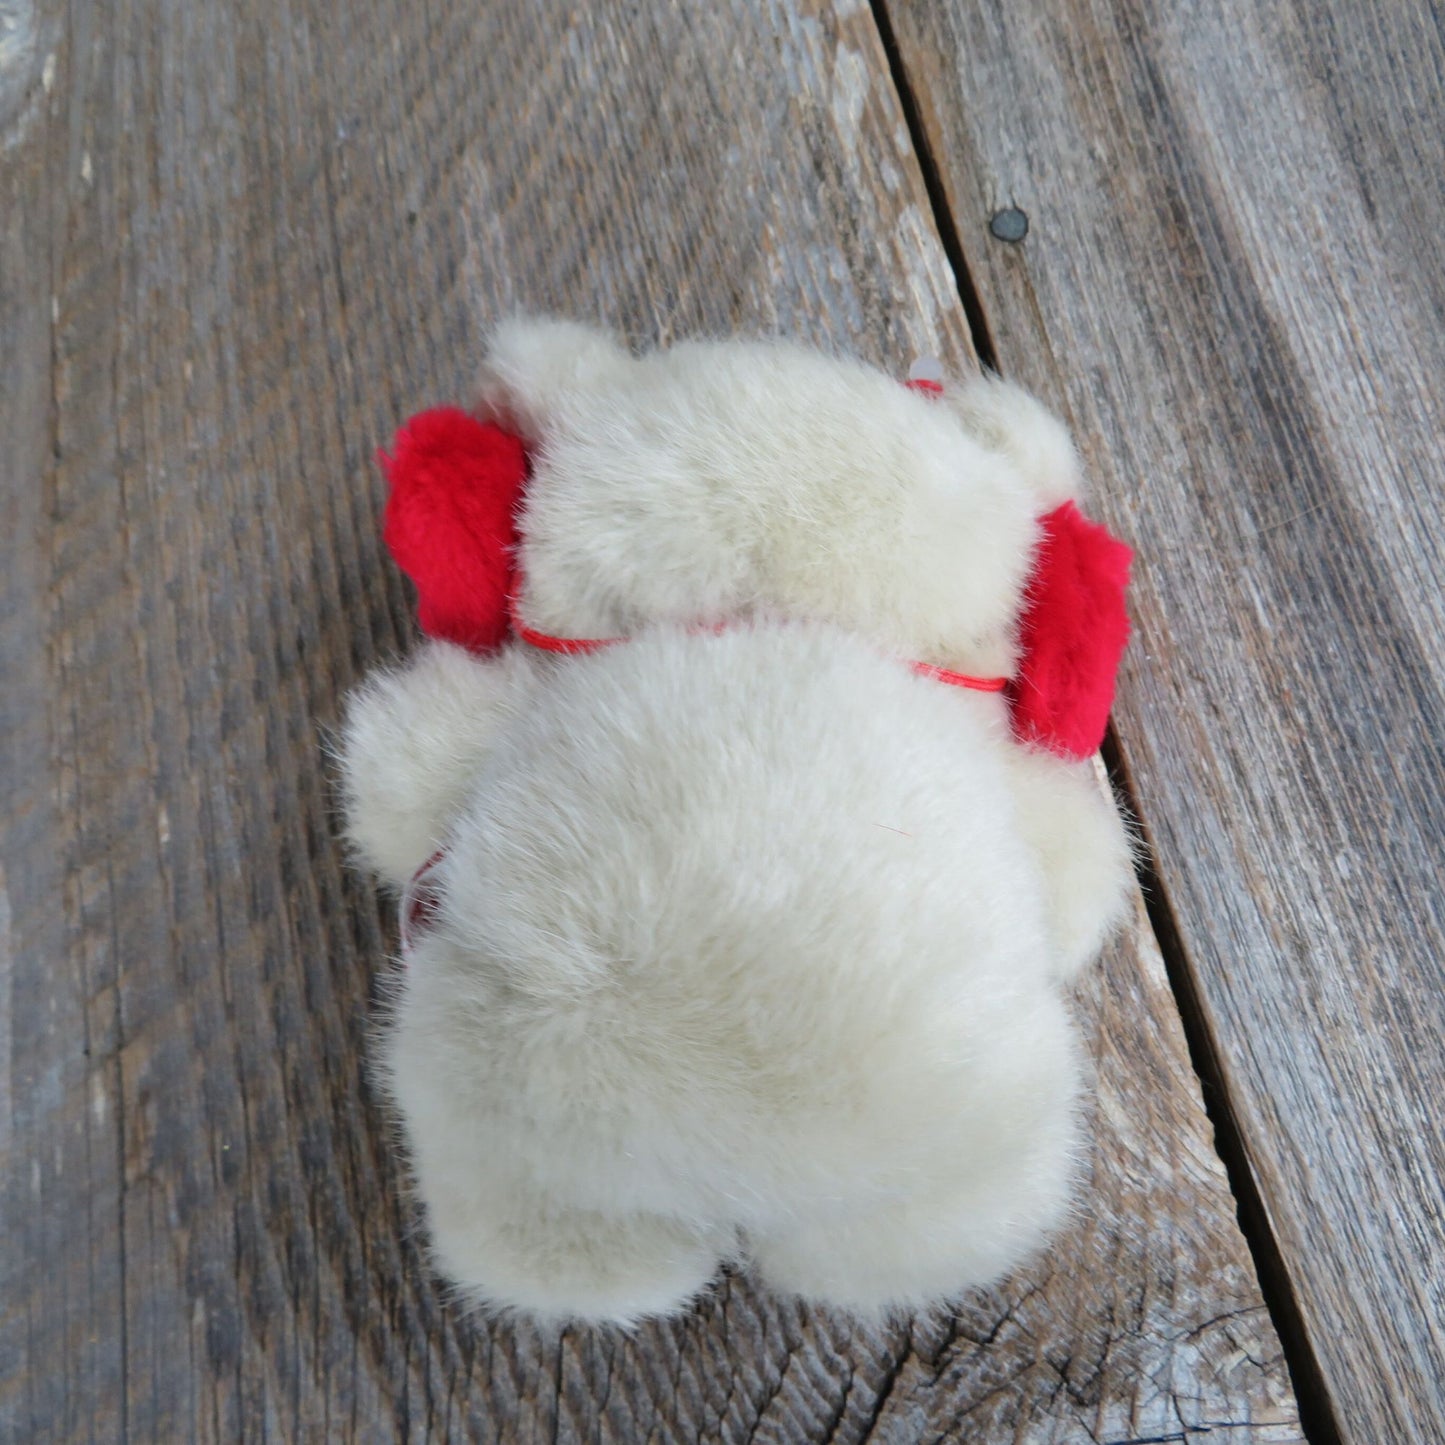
(1317, 1413)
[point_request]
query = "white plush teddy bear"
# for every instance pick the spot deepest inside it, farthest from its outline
(739, 890)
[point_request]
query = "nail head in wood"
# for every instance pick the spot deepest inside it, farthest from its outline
(1009, 224)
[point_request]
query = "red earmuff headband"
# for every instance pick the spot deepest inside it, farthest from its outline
(451, 524)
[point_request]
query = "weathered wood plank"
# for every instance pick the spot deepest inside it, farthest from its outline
(1232, 282)
(239, 243)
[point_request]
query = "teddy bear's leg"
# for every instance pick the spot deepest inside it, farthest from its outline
(913, 1253)
(410, 747)
(1083, 846)
(954, 1187)
(1005, 418)
(534, 364)
(560, 1264)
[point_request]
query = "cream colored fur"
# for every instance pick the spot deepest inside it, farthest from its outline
(750, 943)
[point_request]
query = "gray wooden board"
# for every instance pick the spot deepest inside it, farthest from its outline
(1232, 283)
(237, 244)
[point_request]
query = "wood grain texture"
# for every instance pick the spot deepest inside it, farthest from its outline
(1232, 283)
(239, 243)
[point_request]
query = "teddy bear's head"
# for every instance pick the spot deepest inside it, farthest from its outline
(598, 492)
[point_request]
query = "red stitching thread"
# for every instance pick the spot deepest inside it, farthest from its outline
(959, 679)
(419, 903)
(578, 646)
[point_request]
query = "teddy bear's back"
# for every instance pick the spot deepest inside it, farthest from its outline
(744, 917)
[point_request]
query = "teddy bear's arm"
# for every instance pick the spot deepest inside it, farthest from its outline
(410, 746)
(1083, 846)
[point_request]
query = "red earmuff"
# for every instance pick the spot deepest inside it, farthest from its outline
(451, 522)
(1071, 636)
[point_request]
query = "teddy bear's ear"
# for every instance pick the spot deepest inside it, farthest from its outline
(456, 486)
(536, 365)
(1072, 635)
(1010, 420)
